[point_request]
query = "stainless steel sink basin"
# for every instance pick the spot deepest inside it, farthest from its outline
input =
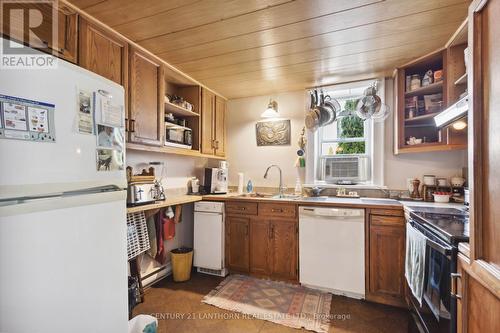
(380, 200)
(270, 196)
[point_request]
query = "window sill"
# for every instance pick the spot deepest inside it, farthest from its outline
(357, 186)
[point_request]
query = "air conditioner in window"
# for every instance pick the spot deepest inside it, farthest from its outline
(345, 169)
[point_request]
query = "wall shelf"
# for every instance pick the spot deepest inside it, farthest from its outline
(171, 150)
(428, 116)
(461, 80)
(433, 88)
(179, 111)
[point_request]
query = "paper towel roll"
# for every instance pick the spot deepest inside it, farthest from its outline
(240, 182)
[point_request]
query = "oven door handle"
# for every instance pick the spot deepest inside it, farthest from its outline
(444, 250)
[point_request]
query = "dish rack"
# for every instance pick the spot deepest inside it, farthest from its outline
(137, 235)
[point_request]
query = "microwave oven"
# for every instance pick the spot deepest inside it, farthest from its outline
(178, 136)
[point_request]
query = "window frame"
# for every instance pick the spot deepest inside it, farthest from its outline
(374, 142)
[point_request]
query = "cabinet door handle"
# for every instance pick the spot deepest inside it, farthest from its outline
(272, 231)
(241, 208)
(246, 230)
(126, 125)
(216, 144)
(132, 125)
(454, 287)
(277, 210)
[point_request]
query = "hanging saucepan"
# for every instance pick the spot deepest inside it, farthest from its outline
(322, 114)
(334, 106)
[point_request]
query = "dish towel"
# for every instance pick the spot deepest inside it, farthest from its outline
(415, 261)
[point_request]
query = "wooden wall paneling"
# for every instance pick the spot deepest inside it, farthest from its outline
(146, 99)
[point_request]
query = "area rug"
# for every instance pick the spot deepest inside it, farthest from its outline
(282, 303)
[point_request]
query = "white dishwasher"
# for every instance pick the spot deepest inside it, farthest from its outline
(208, 242)
(332, 250)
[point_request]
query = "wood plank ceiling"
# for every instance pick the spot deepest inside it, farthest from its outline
(258, 47)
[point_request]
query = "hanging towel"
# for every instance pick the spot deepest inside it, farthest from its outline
(153, 245)
(415, 261)
(168, 228)
(161, 256)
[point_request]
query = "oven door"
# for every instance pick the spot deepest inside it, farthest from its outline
(437, 314)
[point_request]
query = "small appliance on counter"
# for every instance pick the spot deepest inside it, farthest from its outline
(142, 189)
(215, 181)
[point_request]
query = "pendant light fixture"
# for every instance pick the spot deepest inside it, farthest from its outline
(271, 110)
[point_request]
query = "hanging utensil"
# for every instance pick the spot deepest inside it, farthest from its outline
(371, 106)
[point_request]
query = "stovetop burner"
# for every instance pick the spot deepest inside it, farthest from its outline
(449, 224)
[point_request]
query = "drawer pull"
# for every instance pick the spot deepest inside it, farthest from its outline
(277, 210)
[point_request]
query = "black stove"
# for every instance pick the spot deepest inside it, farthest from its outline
(450, 224)
(443, 229)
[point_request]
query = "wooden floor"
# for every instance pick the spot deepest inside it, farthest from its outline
(178, 308)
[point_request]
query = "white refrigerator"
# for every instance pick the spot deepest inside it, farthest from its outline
(63, 248)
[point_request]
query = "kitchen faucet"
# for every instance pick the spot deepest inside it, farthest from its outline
(281, 188)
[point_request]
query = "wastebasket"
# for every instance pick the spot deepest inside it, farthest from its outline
(182, 261)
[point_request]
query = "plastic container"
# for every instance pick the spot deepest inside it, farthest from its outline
(182, 262)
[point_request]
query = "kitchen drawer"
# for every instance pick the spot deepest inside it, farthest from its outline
(247, 208)
(387, 212)
(277, 210)
(387, 220)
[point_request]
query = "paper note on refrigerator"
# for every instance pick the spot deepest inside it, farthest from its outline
(111, 115)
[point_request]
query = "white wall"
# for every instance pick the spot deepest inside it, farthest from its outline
(179, 169)
(242, 151)
(245, 156)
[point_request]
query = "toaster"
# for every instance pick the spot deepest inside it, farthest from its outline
(141, 193)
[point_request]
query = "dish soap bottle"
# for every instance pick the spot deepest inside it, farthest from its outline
(249, 186)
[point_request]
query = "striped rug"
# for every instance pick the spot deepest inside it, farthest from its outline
(282, 303)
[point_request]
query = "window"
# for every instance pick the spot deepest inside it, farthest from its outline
(343, 149)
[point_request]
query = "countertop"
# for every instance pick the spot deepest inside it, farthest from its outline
(302, 201)
(335, 201)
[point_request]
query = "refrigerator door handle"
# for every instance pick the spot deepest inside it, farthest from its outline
(85, 191)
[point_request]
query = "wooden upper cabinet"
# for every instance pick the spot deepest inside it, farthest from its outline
(213, 124)
(207, 121)
(386, 260)
(66, 44)
(284, 248)
(146, 87)
(220, 127)
(103, 52)
(238, 245)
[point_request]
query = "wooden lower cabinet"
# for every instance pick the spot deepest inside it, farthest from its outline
(284, 249)
(260, 251)
(477, 305)
(237, 241)
(386, 257)
(270, 249)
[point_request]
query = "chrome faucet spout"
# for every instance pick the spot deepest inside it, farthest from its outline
(281, 188)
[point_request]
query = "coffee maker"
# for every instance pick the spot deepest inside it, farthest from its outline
(215, 181)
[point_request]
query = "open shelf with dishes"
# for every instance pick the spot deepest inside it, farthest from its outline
(424, 88)
(182, 113)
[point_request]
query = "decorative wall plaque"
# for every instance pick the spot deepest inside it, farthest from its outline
(273, 133)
